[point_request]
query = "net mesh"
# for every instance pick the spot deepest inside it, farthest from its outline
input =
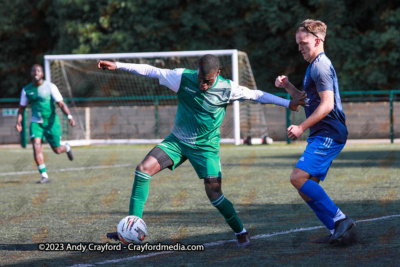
(127, 106)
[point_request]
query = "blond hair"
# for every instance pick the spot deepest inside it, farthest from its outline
(315, 27)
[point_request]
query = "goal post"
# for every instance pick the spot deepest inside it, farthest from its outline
(110, 106)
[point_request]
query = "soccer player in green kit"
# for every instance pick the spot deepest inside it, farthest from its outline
(203, 96)
(42, 95)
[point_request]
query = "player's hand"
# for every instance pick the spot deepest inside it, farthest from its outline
(300, 100)
(18, 126)
(107, 65)
(71, 122)
(294, 132)
(282, 81)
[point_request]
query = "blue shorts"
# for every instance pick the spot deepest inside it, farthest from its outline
(318, 156)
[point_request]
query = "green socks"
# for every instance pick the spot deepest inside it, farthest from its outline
(42, 170)
(225, 207)
(140, 191)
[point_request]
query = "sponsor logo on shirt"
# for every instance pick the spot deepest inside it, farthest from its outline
(31, 93)
(301, 159)
(190, 90)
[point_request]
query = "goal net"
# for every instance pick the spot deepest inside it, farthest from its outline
(120, 107)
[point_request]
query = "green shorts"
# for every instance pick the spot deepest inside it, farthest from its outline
(206, 162)
(50, 128)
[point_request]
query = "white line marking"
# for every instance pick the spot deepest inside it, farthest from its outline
(227, 241)
(71, 169)
(186, 164)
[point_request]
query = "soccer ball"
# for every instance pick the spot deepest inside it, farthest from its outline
(268, 140)
(132, 229)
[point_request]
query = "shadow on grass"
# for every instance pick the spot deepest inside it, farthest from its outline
(363, 159)
(281, 235)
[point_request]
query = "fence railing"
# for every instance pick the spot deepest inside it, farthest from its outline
(389, 96)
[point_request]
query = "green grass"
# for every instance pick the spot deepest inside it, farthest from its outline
(82, 205)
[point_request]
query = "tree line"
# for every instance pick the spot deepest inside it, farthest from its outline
(362, 39)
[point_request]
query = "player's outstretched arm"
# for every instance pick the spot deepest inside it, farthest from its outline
(169, 78)
(283, 82)
(244, 93)
(107, 65)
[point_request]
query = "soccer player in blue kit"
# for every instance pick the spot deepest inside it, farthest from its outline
(328, 132)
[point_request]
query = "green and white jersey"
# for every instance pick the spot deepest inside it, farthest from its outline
(199, 113)
(42, 99)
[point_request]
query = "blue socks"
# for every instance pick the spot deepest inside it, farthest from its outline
(326, 220)
(320, 203)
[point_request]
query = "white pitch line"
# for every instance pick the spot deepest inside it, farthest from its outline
(227, 241)
(71, 169)
(119, 166)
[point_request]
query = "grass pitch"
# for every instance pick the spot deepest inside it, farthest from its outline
(87, 197)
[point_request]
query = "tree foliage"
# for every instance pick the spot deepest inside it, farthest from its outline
(362, 39)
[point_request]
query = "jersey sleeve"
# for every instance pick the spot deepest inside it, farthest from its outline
(55, 93)
(171, 78)
(322, 76)
(24, 100)
(242, 93)
(166, 77)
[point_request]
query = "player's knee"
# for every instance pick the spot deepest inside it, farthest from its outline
(141, 167)
(146, 168)
(213, 187)
(295, 180)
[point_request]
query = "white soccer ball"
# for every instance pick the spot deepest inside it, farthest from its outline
(132, 229)
(269, 140)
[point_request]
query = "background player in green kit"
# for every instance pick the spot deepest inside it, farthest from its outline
(203, 96)
(42, 95)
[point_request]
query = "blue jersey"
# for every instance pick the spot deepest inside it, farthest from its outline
(321, 76)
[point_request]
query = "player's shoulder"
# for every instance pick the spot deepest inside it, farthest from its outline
(321, 64)
(47, 83)
(321, 61)
(28, 87)
(189, 72)
(222, 82)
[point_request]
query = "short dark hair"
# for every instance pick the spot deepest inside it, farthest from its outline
(37, 65)
(208, 63)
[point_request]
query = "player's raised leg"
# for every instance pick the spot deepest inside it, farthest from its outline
(39, 159)
(225, 207)
(64, 148)
(53, 135)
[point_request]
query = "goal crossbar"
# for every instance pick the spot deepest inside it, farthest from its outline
(229, 52)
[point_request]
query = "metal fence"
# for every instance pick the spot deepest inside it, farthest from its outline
(369, 115)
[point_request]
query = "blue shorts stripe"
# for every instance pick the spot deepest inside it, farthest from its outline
(318, 156)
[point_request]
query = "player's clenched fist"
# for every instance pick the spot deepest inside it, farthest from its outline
(281, 81)
(107, 65)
